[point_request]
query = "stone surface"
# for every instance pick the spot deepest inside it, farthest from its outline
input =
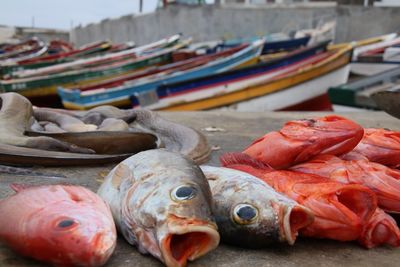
(240, 130)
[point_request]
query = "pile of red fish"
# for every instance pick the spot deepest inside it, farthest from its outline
(344, 174)
(324, 178)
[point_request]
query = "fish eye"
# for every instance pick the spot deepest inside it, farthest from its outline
(66, 223)
(245, 214)
(183, 192)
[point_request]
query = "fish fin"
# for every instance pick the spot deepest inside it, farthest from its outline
(122, 172)
(238, 158)
(19, 187)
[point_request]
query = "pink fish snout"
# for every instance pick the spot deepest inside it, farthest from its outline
(102, 246)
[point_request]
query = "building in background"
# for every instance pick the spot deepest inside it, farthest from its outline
(13, 34)
(339, 2)
(387, 3)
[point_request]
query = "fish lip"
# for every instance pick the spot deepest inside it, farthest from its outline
(165, 245)
(104, 244)
(291, 235)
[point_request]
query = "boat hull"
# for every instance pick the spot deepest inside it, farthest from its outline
(121, 95)
(335, 68)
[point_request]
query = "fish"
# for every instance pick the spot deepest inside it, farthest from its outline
(381, 146)
(384, 181)
(339, 209)
(65, 122)
(380, 229)
(63, 225)
(250, 213)
(25, 139)
(15, 118)
(161, 203)
(300, 140)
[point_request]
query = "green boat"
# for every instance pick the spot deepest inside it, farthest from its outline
(49, 60)
(358, 93)
(37, 86)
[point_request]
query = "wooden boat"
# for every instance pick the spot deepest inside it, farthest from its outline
(26, 47)
(358, 93)
(48, 59)
(181, 65)
(33, 48)
(38, 86)
(273, 46)
(289, 81)
(99, 60)
(375, 58)
(75, 99)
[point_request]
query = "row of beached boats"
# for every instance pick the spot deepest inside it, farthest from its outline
(376, 67)
(174, 74)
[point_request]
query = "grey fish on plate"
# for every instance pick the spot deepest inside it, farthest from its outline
(161, 203)
(250, 213)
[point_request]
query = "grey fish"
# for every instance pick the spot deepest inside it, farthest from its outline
(161, 203)
(250, 213)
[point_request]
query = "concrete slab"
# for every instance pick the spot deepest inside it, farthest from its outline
(240, 130)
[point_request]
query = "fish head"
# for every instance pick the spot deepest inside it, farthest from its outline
(334, 135)
(79, 232)
(381, 229)
(173, 219)
(249, 213)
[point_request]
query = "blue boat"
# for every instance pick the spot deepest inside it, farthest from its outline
(170, 89)
(75, 99)
(285, 45)
(269, 46)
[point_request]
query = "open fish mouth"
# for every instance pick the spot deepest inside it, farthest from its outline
(295, 219)
(385, 233)
(188, 243)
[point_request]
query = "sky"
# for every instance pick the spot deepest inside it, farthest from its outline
(64, 14)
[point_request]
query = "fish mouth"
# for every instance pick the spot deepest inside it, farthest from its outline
(188, 243)
(296, 218)
(104, 245)
(358, 199)
(381, 229)
(339, 214)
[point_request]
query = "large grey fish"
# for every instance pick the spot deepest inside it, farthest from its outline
(250, 213)
(161, 203)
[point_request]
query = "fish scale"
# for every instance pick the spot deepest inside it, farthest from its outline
(74, 218)
(250, 213)
(136, 189)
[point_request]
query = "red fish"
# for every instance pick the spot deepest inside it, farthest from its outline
(300, 140)
(379, 230)
(339, 209)
(384, 181)
(58, 224)
(381, 145)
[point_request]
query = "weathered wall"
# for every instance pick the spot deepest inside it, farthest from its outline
(213, 22)
(21, 33)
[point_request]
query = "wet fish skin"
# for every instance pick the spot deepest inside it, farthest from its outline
(381, 146)
(249, 213)
(300, 140)
(161, 203)
(339, 209)
(58, 224)
(380, 229)
(384, 181)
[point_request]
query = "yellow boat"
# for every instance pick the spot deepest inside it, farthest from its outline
(281, 89)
